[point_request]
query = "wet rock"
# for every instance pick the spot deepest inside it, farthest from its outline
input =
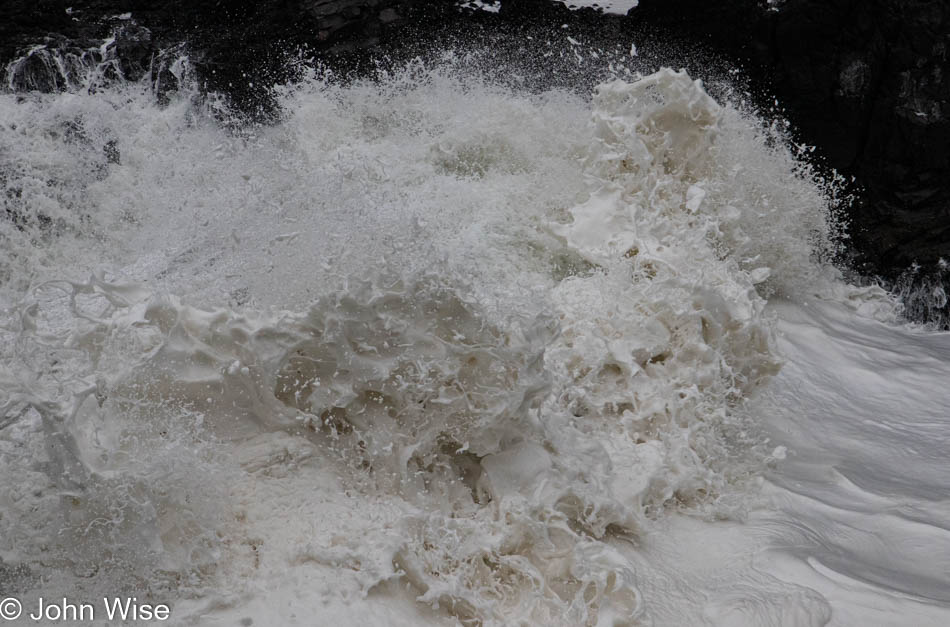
(867, 82)
(55, 65)
(134, 49)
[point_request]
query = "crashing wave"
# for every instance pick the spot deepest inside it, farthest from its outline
(517, 445)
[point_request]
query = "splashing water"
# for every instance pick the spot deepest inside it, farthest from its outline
(426, 332)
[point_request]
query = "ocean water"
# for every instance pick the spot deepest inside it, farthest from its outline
(438, 350)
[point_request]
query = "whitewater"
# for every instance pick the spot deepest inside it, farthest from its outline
(434, 349)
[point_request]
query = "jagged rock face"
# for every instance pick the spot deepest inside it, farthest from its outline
(868, 82)
(237, 46)
(863, 80)
(363, 20)
(61, 64)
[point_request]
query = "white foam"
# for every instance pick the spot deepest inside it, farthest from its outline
(408, 350)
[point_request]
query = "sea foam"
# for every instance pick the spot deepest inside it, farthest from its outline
(426, 331)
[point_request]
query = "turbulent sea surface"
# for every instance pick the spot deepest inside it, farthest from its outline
(437, 350)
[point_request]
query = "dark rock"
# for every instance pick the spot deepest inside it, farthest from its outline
(55, 65)
(167, 70)
(867, 82)
(134, 49)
